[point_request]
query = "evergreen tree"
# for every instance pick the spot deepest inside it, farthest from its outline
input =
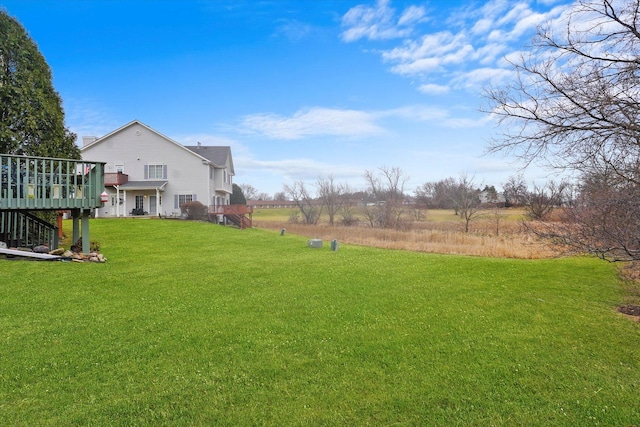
(237, 197)
(31, 115)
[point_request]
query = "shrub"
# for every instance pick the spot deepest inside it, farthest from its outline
(194, 210)
(294, 217)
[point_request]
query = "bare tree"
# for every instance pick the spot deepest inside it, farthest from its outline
(386, 187)
(249, 191)
(575, 96)
(281, 195)
(348, 209)
(496, 216)
(330, 193)
(305, 202)
(542, 200)
(515, 191)
(603, 221)
(436, 195)
(574, 106)
(466, 199)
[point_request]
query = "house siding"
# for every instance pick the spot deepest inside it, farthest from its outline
(136, 147)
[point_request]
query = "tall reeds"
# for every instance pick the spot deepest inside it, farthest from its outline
(511, 241)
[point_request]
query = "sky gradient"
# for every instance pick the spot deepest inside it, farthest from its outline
(299, 89)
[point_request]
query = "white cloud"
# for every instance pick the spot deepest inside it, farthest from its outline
(379, 22)
(413, 14)
(86, 117)
(298, 169)
(433, 45)
(419, 66)
(430, 54)
(205, 139)
(472, 47)
(415, 113)
(294, 30)
(482, 26)
(313, 122)
(491, 53)
(463, 122)
(433, 89)
(318, 121)
(374, 23)
(481, 76)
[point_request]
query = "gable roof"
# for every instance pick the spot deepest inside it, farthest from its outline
(137, 122)
(217, 155)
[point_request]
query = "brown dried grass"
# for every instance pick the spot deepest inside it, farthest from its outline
(512, 240)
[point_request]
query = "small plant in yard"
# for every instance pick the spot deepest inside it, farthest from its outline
(194, 210)
(294, 217)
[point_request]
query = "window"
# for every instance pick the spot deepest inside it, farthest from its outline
(119, 168)
(181, 199)
(155, 172)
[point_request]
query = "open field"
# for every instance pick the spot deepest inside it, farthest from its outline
(191, 323)
(495, 234)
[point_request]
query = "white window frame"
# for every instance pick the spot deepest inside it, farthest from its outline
(181, 199)
(155, 171)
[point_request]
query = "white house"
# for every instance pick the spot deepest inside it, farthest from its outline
(149, 173)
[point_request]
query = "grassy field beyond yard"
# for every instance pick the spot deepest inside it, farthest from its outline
(190, 323)
(494, 233)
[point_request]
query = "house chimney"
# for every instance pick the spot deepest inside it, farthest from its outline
(86, 140)
(199, 145)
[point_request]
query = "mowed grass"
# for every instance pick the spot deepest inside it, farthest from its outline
(197, 324)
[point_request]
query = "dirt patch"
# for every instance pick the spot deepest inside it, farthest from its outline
(630, 310)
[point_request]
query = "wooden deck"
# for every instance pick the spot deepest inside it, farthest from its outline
(48, 184)
(42, 183)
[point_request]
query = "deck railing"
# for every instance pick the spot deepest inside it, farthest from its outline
(44, 183)
(22, 229)
(231, 209)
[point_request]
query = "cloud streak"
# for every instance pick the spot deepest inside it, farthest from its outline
(312, 122)
(318, 121)
(299, 168)
(379, 22)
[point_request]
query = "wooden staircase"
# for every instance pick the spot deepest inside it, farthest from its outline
(239, 215)
(23, 229)
(240, 220)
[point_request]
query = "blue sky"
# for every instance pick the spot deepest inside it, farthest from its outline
(298, 89)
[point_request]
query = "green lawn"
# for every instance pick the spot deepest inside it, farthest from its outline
(197, 324)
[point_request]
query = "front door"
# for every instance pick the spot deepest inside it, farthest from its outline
(113, 210)
(139, 205)
(152, 205)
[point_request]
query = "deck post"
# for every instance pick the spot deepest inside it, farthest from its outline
(59, 224)
(117, 187)
(75, 217)
(85, 231)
